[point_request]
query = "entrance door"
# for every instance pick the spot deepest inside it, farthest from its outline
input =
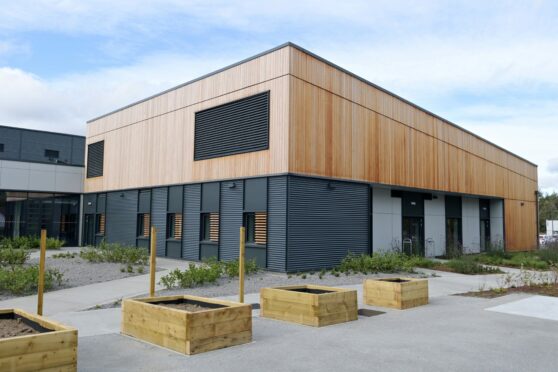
(484, 234)
(413, 236)
(89, 229)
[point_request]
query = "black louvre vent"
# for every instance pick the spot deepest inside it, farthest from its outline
(233, 128)
(95, 156)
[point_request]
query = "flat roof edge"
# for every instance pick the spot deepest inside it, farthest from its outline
(42, 131)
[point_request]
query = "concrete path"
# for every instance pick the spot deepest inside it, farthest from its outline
(84, 297)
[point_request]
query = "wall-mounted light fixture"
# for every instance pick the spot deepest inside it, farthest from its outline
(121, 194)
(413, 203)
(232, 185)
(89, 203)
(330, 186)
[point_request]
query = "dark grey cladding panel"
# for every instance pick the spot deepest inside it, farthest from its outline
(255, 195)
(144, 203)
(176, 199)
(101, 203)
(277, 223)
(121, 217)
(232, 128)
(453, 206)
(89, 203)
(230, 219)
(412, 204)
(191, 222)
(159, 217)
(11, 138)
(78, 151)
(326, 221)
(210, 197)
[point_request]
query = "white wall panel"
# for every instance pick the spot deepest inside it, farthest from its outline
(435, 226)
(386, 221)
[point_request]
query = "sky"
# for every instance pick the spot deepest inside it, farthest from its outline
(488, 66)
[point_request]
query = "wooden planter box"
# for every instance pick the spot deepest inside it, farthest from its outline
(225, 324)
(398, 293)
(312, 305)
(53, 349)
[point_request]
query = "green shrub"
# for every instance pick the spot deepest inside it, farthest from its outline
(382, 262)
(527, 260)
(467, 265)
(117, 253)
(13, 257)
(549, 253)
(20, 280)
(30, 242)
(53, 243)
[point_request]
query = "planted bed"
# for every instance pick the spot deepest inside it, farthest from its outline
(311, 305)
(33, 343)
(187, 324)
(398, 293)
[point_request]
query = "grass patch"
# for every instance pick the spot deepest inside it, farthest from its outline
(207, 272)
(542, 259)
(116, 253)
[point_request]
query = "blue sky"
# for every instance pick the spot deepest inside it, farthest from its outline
(491, 67)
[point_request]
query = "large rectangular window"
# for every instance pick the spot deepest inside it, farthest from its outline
(232, 128)
(256, 227)
(174, 226)
(95, 159)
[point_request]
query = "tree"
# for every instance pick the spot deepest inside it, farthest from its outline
(548, 209)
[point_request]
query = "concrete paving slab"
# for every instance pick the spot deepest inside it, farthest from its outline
(542, 307)
(92, 323)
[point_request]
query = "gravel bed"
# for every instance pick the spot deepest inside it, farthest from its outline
(253, 283)
(78, 272)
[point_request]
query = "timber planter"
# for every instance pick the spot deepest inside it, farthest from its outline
(398, 293)
(311, 305)
(31, 342)
(187, 324)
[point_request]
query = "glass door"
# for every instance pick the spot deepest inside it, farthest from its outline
(484, 234)
(413, 236)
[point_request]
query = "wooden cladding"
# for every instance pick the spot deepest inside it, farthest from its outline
(174, 226)
(144, 224)
(100, 225)
(261, 228)
(214, 227)
(520, 225)
(232, 128)
(95, 159)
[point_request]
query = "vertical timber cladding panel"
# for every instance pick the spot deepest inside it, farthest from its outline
(191, 222)
(159, 217)
(520, 225)
(121, 217)
(277, 223)
(326, 221)
(231, 210)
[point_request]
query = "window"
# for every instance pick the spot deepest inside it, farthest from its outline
(1, 147)
(100, 225)
(144, 224)
(232, 128)
(51, 154)
(209, 227)
(174, 226)
(95, 158)
(256, 227)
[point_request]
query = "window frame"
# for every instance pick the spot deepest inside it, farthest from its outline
(140, 226)
(98, 224)
(54, 154)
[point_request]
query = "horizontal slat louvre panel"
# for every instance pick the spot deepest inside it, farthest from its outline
(214, 227)
(233, 128)
(261, 228)
(95, 158)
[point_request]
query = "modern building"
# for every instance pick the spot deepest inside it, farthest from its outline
(551, 227)
(315, 161)
(41, 181)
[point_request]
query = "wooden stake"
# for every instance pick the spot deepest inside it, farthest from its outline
(41, 273)
(152, 261)
(241, 264)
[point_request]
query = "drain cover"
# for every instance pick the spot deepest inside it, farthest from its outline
(369, 312)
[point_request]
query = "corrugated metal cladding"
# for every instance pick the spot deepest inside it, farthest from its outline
(159, 217)
(191, 222)
(326, 221)
(121, 217)
(277, 223)
(95, 159)
(176, 199)
(233, 128)
(30, 145)
(101, 203)
(231, 219)
(144, 201)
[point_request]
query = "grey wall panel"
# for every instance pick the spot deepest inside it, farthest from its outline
(101, 203)
(471, 225)
(159, 217)
(386, 221)
(121, 217)
(232, 128)
(255, 195)
(175, 199)
(89, 203)
(30, 145)
(210, 197)
(435, 226)
(277, 223)
(497, 222)
(191, 222)
(325, 223)
(231, 219)
(144, 201)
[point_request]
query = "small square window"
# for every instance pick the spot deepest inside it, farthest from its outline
(256, 227)
(144, 224)
(1, 147)
(174, 226)
(100, 225)
(51, 154)
(209, 229)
